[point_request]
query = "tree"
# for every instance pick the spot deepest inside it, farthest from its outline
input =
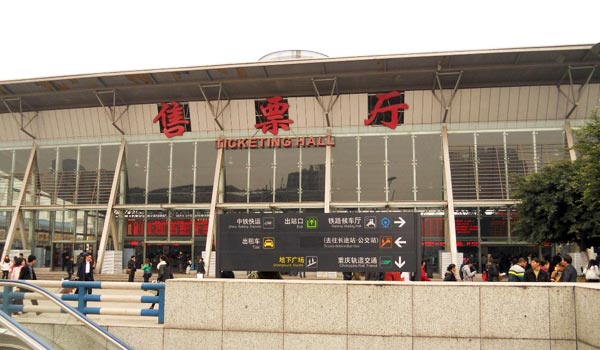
(561, 203)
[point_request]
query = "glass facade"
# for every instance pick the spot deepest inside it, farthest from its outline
(165, 188)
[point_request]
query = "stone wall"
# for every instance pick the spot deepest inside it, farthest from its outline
(263, 314)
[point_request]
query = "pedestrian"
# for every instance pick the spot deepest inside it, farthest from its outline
(131, 268)
(15, 269)
(450, 275)
(424, 276)
(227, 274)
(468, 274)
(374, 276)
(516, 273)
(69, 266)
(28, 273)
(85, 271)
(556, 274)
(201, 269)
(591, 272)
(493, 275)
(147, 268)
(569, 274)
(536, 273)
(5, 267)
(164, 273)
(181, 262)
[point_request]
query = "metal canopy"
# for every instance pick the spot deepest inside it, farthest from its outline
(369, 74)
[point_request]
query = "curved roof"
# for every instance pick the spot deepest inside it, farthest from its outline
(368, 74)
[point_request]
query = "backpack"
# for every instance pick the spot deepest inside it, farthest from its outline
(461, 273)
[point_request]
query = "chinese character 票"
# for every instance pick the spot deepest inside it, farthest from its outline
(274, 113)
(171, 119)
(393, 109)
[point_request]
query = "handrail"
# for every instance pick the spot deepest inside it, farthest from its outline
(96, 328)
(23, 333)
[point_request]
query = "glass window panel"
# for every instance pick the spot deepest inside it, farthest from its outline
(287, 177)
(158, 173)
(6, 190)
(236, 172)
(108, 163)
(182, 183)
(5, 217)
(494, 224)
(467, 230)
(519, 155)
(21, 159)
(206, 154)
(462, 165)
(344, 173)
(181, 224)
(550, 146)
(313, 174)
(492, 176)
(67, 175)
(158, 224)
(428, 149)
(87, 189)
(261, 175)
(372, 168)
(135, 166)
(400, 169)
(45, 177)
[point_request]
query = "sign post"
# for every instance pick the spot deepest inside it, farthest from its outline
(382, 242)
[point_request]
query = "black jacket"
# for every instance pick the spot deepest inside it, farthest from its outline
(541, 277)
(27, 273)
(81, 271)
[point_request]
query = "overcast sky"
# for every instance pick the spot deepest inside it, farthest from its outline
(55, 38)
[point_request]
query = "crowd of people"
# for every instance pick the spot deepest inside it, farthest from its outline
(531, 269)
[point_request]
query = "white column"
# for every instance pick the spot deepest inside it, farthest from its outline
(449, 197)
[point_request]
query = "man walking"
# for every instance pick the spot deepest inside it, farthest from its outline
(28, 273)
(131, 268)
(535, 273)
(85, 270)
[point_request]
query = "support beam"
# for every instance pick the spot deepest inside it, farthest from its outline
(111, 108)
(437, 84)
(573, 95)
(570, 142)
(217, 109)
(109, 208)
(213, 212)
(334, 95)
(17, 209)
(24, 121)
(327, 198)
(449, 197)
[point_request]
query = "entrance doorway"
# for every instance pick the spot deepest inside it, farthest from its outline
(177, 255)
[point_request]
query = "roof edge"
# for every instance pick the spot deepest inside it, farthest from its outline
(301, 61)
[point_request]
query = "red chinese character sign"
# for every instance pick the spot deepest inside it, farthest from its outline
(387, 110)
(173, 118)
(273, 116)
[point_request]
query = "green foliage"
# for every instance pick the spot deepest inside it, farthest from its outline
(561, 203)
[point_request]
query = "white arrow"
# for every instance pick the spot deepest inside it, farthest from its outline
(399, 263)
(399, 242)
(400, 221)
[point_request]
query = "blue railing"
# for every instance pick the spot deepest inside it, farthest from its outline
(84, 295)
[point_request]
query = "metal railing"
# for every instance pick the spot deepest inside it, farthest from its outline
(11, 304)
(84, 294)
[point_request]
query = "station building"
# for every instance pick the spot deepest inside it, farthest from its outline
(143, 162)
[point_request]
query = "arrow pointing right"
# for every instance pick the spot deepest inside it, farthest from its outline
(400, 222)
(399, 263)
